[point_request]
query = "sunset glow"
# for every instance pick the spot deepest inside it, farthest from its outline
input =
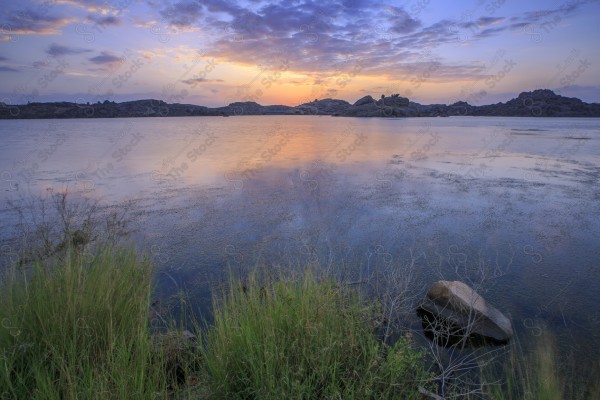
(216, 52)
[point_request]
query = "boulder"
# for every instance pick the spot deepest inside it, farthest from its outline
(365, 110)
(324, 107)
(395, 101)
(364, 100)
(455, 304)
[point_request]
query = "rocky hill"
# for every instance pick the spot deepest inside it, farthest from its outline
(107, 109)
(538, 103)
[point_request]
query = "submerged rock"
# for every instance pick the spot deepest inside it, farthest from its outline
(452, 309)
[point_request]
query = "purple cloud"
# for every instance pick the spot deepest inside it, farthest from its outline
(104, 20)
(57, 50)
(99, 5)
(27, 21)
(195, 81)
(8, 69)
(401, 21)
(182, 14)
(106, 58)
(40, 64)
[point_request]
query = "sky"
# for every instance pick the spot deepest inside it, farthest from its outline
(214, 52)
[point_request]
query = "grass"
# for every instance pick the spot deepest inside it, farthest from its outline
(304, 339)
(75, 325)
(539, 375)
(78, 330)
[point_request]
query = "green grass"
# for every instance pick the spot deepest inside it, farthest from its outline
(538, 374)
(78, 330)
(305, 339)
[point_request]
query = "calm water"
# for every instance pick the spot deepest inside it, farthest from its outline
(518, 196)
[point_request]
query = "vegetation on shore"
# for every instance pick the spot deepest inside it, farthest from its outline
(304, 339)
(75, 324)
(77, 329)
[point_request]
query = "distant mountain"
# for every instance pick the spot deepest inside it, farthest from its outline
(538, 103)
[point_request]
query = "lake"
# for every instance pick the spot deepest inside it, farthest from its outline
(516, 198)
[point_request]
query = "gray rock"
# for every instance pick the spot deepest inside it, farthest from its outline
(364, 110)
(324, 107)
(364, 100)
(395, 101)
(458, 304)
(538, 103)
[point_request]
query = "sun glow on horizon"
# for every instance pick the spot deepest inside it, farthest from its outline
(290, 53)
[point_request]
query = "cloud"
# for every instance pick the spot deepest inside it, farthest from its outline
(324, 39)
(401, 21)
(99, 6)
(485, 21)
(8, 69)
(554, 15)
(2, 58)
(195, 81)
(482, 22)
(57, 50)
(321, 38)
(312, 37)
(182, 14)
(40, 64)
(106, 58)
(150, 54)
(104, 20)
(546, 20)
(27, 22)
(331, 92)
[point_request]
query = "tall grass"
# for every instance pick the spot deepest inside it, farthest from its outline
(78, 330)
(538, 374)
(305, 339)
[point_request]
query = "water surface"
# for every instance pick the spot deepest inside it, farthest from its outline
(516, 197)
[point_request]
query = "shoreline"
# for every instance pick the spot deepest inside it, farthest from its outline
(539, 103)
